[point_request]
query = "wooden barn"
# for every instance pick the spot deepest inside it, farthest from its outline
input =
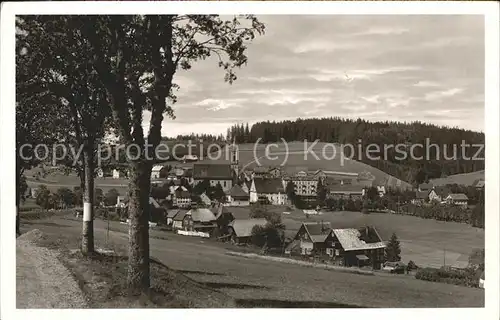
(240, 230)
(358, 247)
(348, 247)
(313, 238)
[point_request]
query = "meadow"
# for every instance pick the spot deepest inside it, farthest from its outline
(427, 242)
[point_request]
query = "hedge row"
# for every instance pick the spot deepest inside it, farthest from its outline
(463, 277)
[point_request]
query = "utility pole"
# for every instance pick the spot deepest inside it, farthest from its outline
(444, 257)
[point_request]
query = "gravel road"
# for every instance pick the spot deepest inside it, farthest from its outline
(42, 281)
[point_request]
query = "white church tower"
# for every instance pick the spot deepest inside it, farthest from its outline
(235, 157)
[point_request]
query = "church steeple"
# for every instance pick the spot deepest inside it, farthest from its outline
(235, 157)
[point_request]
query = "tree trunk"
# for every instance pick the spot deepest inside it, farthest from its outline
(88, 205)
(18, 200)
(138, 208)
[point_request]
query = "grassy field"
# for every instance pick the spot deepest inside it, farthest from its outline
(254, 282)
(55, 181)
(466, 179)
(427, 242)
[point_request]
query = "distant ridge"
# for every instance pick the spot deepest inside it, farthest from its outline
(466, 179)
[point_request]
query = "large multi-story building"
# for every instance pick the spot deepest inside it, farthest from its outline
(305, 184)
(215, 173)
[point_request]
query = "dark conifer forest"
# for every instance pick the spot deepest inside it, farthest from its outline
(347, 131)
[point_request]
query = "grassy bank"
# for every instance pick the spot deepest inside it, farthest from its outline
(102, 278)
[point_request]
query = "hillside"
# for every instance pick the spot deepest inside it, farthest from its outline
(466, 179)
(297, 159)
(426, 163)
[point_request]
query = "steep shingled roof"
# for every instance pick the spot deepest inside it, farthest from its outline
(268, 185)
(238, 193)
(350, 240)
(318, 231)
(458, 196)
(422, 194)
(212, 171)
(243, 227)
(202, 215)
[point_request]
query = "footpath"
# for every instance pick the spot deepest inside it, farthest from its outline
(42, 281)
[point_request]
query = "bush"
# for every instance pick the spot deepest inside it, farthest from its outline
(463, 277)
(258, 236)
(412, 265)
(158, 215)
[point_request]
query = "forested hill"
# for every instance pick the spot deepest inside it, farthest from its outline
(361, 132)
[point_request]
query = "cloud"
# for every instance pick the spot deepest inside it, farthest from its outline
(220, 104)
(348, 76)
(425, 84)
(353, 107)
(381, 31)
(290, 100)
(436, 95)
(437, 43)
(326, 46)
(377, 67)
(372, 99)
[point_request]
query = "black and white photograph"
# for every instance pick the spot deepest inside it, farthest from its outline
(232, 157)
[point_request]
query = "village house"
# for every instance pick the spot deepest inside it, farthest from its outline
(171, 214)
(438, 194)
(178, 173)
(189, 158)
(478, 184)
(313, 238)
(246, 175)
(433, 195)
(365, 179)
(381, 191)
(246, 185)
(421, 197)
(238, 197)
(458, 199)
(276, 172)
(205, 199)
(342, 178)
(269, 191)
(425, 187)
(203, 220)
(353, 192)
(347, 247)
(100, 173)
(215, 174)
(182, 198)
(223, 218)
(117, 174)
(358, 247)
(240, 230)
(261, 172)
(182, 221)
(155, 172)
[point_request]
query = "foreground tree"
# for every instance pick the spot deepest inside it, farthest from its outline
(136, 58)
(393, 249)
(290, 191)
(66, 76)
(35, 110)
(321, 193)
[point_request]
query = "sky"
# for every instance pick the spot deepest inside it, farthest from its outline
(399, 67)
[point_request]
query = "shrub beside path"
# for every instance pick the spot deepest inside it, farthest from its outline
(42, 280)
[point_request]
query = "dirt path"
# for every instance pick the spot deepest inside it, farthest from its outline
(42, 280)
